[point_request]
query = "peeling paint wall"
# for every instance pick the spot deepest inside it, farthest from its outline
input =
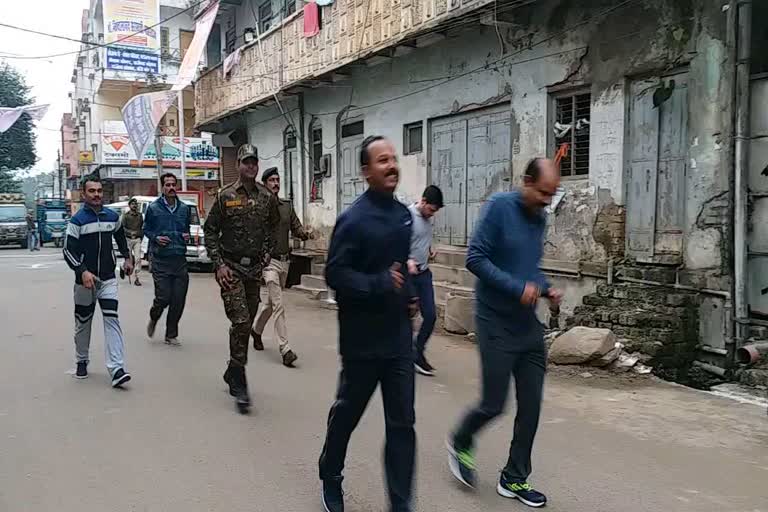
(551, 45)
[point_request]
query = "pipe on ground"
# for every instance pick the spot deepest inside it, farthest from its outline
(752, 353)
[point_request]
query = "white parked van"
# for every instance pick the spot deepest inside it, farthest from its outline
(196, 253)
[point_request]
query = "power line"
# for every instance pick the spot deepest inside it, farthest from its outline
(91, 45)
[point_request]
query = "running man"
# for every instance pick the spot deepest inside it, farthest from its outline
(366, 267)
(88, 252)
(276, 273)
(418, 266)
(133, 224)
(167, 228)
(240, 235)
(504, 254)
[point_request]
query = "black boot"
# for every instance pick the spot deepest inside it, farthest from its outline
(238, 387)
(228, 380)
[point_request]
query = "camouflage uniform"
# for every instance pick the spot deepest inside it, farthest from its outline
(240, 232)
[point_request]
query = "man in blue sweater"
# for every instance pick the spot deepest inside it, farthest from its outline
(366, 267)
(504, 254)
(166, 225)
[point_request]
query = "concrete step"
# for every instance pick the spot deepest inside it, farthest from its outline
(314, 293)
(318, 269)
(313, 281)
(450, 255)
(452, 274)
(443, 288)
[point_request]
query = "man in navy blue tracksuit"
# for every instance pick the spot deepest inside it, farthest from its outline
(88, 252)
(367, 268)
(166, 225)
(505, 254)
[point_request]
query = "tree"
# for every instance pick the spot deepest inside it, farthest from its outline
(17, 145)
(9, 182)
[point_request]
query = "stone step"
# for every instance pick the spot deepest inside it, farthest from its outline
(318, 269)
(635, 317)
(451, 256)
(452, 274)
(314, 293)
(644, 294)
(443, 288)
(313, 281)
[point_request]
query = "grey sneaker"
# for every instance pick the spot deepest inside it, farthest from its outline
(173, 341)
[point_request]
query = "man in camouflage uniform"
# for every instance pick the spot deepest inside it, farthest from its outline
(240, 236)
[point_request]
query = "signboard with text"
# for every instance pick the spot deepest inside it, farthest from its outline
(131, 31)
(117, 150)
(149, 173)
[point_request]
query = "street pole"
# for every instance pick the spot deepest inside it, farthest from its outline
(182, 142)
(60, 173)
(159, 159)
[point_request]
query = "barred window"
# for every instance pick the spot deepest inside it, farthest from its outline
(571, 133)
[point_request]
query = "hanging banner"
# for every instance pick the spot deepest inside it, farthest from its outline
(131, 33)
(142, 114)
(194, 53)
(9, 116)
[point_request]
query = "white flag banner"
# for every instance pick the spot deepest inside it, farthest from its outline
(9, 116)
(194, 53)
(142, 113)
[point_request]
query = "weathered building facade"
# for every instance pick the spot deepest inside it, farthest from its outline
(636, 100)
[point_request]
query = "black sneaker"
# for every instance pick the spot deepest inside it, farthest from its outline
(120, 377)
(423, 366)
(82, 370)
(122, 273)
(289, 358)
(257, 343)
(151, 328)
(462, 464)
(333, 496)
(521, 491)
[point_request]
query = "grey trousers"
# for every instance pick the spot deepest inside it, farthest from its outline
(105, 293)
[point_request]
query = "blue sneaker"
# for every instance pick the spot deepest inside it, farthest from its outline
(521, 491)
(462, 464)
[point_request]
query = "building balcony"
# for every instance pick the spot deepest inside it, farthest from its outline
(352, 32)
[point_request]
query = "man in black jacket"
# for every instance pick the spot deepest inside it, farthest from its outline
(367, 269)
(88, 252)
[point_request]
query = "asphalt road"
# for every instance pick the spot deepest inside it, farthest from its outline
(173, 441)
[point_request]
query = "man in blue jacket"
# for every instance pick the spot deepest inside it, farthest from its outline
(88, 252)
(366, 267)
(504, 254)
(166, 225)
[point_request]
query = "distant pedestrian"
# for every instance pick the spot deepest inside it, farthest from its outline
(276, 273)
(133, 224)
(366, 267)
(167, 227)
(505, 254)
(88, 251)
(32, 236)
(240, 235)
(418, 266)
